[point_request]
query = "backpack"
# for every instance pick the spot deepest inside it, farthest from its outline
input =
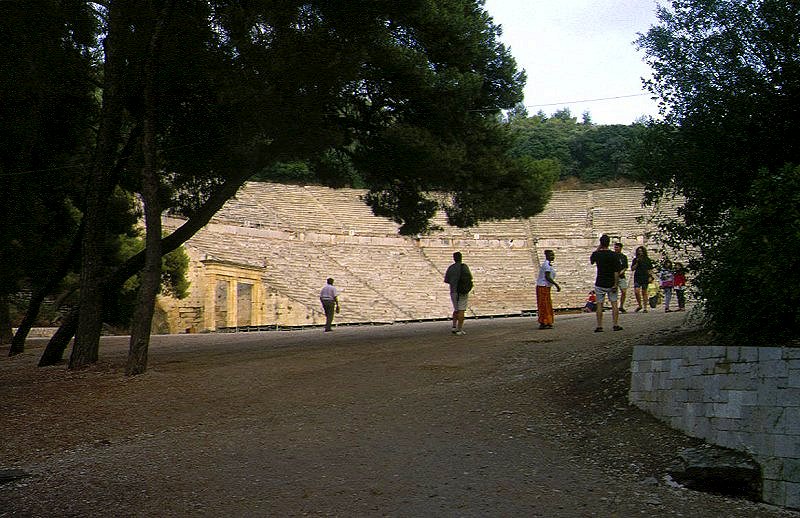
(464, 284)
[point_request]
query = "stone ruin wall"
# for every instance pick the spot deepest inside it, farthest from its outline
(278, 243)
(739, 397)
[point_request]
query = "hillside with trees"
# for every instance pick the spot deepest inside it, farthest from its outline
(587, 154)
(580, 154)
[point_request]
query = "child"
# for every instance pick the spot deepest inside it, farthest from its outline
(679, 285)
(666, 278)
(591, 303)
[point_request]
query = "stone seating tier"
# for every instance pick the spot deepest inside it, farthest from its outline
(296, 237)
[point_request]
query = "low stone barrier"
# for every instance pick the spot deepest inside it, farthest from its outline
(744, 398)
(39, 332)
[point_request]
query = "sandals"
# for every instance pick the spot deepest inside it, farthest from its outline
(617, 328)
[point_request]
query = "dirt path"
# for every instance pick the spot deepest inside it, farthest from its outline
(403, 420)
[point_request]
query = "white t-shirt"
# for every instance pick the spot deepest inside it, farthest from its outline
(328, 292)
(546, 267)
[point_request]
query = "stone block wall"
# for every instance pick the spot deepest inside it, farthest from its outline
(744, 398)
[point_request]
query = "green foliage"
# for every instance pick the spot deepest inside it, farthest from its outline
(593, 154)
(540, 137)
(728, 76)
(322, 90)
(44, 106)
(519, 111)
(286, 172)
(750, 277)
(602, 153)
(333, 168)
(174, 267)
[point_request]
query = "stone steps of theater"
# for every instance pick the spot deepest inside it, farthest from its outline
(310, 208)
(299, 236)
(372, 287)
(295, 269)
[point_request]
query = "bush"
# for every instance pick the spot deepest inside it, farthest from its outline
(750, 278)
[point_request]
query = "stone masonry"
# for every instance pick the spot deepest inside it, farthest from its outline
(263, 258)
(744, 398)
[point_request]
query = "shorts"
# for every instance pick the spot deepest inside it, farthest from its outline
(602, 292)
(623, 283)
(459, 301)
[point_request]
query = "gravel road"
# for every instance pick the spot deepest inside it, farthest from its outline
(404, 420)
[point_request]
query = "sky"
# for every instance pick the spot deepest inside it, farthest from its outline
(580, 50)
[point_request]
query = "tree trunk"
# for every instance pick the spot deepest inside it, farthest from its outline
(58, 343)
(54, 352)
(90, 320)
(35, 304)
(5, 322)
(18, 341)
(151, 274)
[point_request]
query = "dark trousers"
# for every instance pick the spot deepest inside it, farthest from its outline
(329, 306)
(681, 298)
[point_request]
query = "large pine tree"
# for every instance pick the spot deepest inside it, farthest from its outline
(195, 97)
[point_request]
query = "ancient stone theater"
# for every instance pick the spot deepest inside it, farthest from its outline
(261, 261)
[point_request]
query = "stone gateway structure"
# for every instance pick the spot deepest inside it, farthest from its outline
(259, 263)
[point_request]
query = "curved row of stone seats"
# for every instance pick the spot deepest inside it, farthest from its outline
(297, 269)
(379, 283)
(504, 278)
(276, 206)
(505, 230)
(296, 237)
(304, 208)
(214, 244)
(351, 213)
(566, 215)
(346, 203)
(313, 208)
(620, 211)
(249, 209)
(400, 276)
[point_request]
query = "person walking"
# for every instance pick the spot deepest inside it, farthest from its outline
(606, 282)
(642, 269)
(329, 296)
(666, 279)
(544, 302)
(679, 285)
(459, 278)
(623, 281)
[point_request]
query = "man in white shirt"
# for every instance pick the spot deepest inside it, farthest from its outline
(329, 296)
